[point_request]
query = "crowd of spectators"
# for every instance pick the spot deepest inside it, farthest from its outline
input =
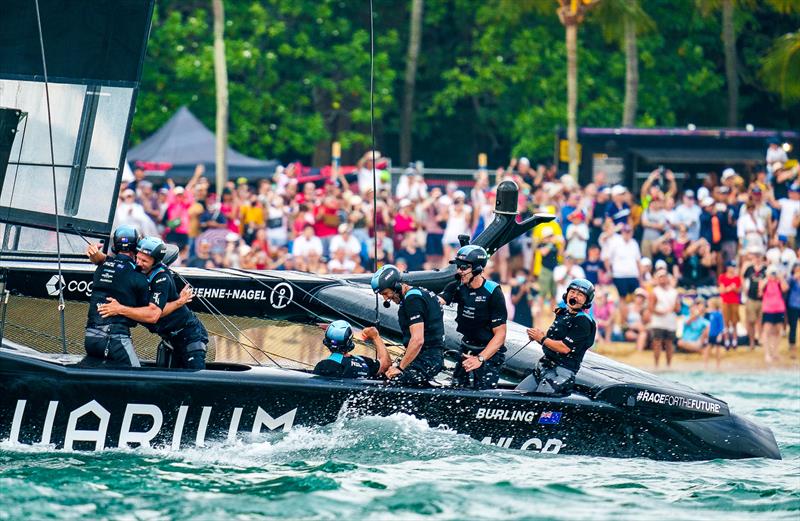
(701, 267)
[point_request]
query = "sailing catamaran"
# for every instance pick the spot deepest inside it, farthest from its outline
(52, 198)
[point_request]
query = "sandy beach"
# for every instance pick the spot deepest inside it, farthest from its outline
(742, 359)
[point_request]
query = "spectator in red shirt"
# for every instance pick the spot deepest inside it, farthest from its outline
(730, 286)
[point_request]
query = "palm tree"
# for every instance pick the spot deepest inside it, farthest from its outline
(221, 80)
(571, 13)
(622, 21)
(407, 116)
(781, 67)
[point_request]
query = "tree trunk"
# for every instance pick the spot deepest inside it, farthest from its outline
(407, 116)
(572, 97)
(221, 80)
(631, 73)
(729, 43)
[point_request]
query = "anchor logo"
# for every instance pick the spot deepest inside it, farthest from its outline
(54, 285)
(281, 295)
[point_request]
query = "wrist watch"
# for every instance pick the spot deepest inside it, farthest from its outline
(396, 364)
(481, 359)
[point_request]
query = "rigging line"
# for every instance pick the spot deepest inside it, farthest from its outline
(219, 316)
(311, 296)
(61, 303)
(377, 320)
(297, 287)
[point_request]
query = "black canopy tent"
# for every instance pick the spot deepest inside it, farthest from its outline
(184, 142)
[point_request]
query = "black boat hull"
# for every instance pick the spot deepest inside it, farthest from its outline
(52, 401)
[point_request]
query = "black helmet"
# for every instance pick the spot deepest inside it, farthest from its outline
(388, 277)
(585, 287)
(473, 255)
(154, 247)
(125, 239)
(339, 337)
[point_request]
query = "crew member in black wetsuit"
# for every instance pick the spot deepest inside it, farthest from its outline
(166, 314)
(109, 338)
(341, 364)
(565, 342)
(421, 323)
(481, 319)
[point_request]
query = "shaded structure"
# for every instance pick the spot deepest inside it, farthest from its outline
(184, 142)
(628, 155)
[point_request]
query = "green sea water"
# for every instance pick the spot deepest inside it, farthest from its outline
(399, 468)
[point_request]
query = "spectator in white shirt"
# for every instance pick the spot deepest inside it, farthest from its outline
(340, 263)
(688, 214)
(790, 215)
(577, 235)
(565, 273)
(345, 241)
(307, 244)
(621, 255)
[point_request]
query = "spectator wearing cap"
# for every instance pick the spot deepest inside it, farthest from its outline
(781, 255)
(784, 175)
(404, 222)
(729, 215)
(663, 307)
(789, 219)
(577, 235)
(711, 224)
(753, 225)
(617, 210)
(771, 290)
(754, 271)
(459, 220)
(654, 224)
(775, 154)
(621, 255)
(733, 181)
(730, 288)
(645, 272)
(345, 241)
(688, 214)
(365, 172)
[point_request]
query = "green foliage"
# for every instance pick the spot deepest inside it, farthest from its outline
(492, 73)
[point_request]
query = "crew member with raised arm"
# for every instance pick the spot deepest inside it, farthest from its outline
(565, 342)
(341, 364)
(109, 337)
(421, 324)
(166, 313)
(481, 319)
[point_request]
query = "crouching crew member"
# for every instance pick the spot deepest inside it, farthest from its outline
(421, 324)
(341, 364)
(166, 314)
(109, 337)
(481, 319)
(569, 337)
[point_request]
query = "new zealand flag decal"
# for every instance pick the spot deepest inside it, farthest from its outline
(549, 418)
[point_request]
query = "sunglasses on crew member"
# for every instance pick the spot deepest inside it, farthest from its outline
(463, 267)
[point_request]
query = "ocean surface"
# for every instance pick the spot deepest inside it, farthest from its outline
(399, 468)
